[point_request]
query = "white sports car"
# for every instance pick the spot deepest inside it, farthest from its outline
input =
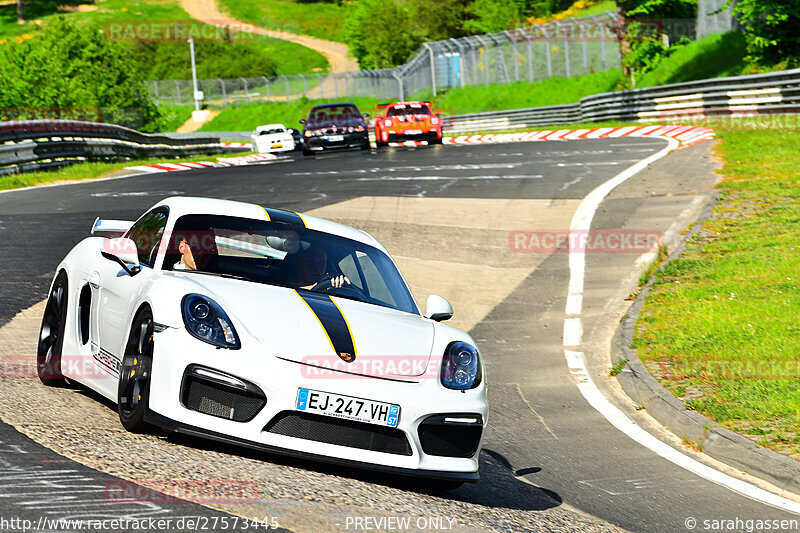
(269, 329)
(272, 138)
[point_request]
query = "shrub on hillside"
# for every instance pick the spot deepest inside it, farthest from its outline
(71, 72)
(770, 30)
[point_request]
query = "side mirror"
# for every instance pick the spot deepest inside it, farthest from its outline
(437, 112)
(365, 115)
(438, 309)
(378, 117)
(303, 121)
(122, 251)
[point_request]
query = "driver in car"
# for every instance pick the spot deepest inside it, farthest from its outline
(311, 268)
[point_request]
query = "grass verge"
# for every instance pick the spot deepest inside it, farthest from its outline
(88, 170)
(719, 328)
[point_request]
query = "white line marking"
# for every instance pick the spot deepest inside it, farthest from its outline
(573, 331)
(581, 221)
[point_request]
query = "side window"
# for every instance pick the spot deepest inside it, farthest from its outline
(147, 235)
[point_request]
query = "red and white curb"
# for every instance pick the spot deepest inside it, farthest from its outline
(686, 135)
(220, 162)
(236, 144)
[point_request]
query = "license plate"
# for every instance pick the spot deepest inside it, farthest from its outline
(348, 407)
(277, 146)
(413, 132)
(334, 138)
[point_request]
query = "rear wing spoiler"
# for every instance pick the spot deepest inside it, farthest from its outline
(105, 226)
(384, 106)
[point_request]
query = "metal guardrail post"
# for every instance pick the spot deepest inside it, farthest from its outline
(514, 51)
(602, 29)
(305, 90)
(246, 91)
(266, 86)
(566, 48)
(433, 66)
(530, 56)
(400, 85)
(485, 57)
(547, 51)
(287, 86)
(178, 91)
(583, 40)
(335, 86)
(321, 88)
(224, 93)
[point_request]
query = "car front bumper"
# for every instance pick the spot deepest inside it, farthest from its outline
(325, 142)
(279, 379)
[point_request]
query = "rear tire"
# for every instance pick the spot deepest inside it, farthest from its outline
(51, 333)
(133, 394)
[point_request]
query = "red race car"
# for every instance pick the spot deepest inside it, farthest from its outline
(407, 121)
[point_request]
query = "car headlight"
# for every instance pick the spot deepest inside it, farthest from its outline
(360, 128)
(307, 133)
(461, 367)
(387, 123)
(206, 320)
(434, 120)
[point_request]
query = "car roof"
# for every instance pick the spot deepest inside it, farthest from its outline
(187, 205)
(270, 126)
(338, 104)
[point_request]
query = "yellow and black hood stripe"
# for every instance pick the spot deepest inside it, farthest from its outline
(284, 217)
(333, 322)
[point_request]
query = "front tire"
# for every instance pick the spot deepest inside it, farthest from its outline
(51, 334)
(133, 394)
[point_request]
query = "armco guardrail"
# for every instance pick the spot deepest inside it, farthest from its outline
(27, 145)
(771, 93)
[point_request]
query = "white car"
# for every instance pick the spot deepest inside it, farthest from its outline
(272, 138)
(269, 329)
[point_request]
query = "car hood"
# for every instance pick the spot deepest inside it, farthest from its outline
(305, 327)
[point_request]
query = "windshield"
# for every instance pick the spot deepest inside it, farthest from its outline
(411, 109)
(271, 131)
(339, 115)
(288, 256)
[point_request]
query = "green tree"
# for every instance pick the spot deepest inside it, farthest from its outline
(490, 16)
(72, 72)
(435, 20)
(770, 30)
(378, 33)
(639, 31)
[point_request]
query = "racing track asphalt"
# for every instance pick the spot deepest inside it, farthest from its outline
(541, 429)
